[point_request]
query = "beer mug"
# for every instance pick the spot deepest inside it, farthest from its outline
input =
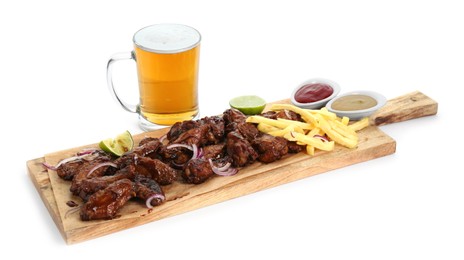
(167, 61)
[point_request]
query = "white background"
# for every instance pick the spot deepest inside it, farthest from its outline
(405, 206)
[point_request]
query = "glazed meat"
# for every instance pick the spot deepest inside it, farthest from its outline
(68, 170)
(176, 156)
(126, 160)
(223, 144)
(89, 186)
(208, 130)
(284, 114)
(146, 140)
(157, 170)
(148, 147)
(195, 136)
(232, 118)
(214, 151)
(269, 114)
(179, 128)
(270, 148)
(249, 131)
(239, 149)
(105, 204)
(197, 171)
(289, 115)
(215, 134)
(145, 188)
(84, 171)
(293, 147)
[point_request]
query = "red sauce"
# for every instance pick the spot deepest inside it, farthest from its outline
(313, 92)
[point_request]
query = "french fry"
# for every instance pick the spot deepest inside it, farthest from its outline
(315, 142)
(291, 137)
(345, 120)
(281, 123)
(310, 150)
(317, 122)
(325, 112)
(363, 123)
(315, 131)
(271, 122)
(265, 128)
(302, 125)
(335, 136)
(288, 129)
(342, 129)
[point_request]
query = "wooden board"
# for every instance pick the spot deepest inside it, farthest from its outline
(186, 197)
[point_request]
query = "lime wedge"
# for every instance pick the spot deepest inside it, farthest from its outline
(123, 143)
(249, 105)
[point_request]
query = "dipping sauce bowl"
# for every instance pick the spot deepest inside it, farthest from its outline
(356, 104)
(314, 93)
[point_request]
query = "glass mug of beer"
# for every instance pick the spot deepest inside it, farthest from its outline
(167, 60)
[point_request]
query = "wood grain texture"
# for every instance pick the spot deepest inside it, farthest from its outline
(181, 197)
(406, 107)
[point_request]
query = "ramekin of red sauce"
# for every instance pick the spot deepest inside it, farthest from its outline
(314, 93)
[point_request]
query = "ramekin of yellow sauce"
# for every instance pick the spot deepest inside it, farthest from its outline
(356, 104)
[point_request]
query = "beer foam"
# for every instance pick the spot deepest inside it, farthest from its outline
(167, 38)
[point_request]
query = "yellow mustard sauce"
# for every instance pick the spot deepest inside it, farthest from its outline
(354, 102)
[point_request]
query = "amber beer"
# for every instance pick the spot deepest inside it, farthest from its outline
(168, 84)
(167, 58)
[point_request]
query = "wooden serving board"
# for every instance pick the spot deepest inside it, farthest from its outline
(181, 197)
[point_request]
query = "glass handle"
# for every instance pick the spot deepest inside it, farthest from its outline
(109, 77)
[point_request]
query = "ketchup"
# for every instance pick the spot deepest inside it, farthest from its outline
(313, 92)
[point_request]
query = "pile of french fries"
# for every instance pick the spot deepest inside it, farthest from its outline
(317, 125)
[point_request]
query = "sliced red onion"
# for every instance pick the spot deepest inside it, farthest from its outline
(69, 159)
(152, 197)
(224, 167)
(101, 165)
(81, 155)
(228, 172)
(90, 157)
(49, 166)
(180, 145)
(162, 138)
(195, 151)
(287, 114)
(323, 138)
(225, 170)
(200, 153)
(86, 151)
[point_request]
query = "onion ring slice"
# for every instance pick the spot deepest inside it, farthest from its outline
(152, 197)
(101, 165)
(224, 170)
